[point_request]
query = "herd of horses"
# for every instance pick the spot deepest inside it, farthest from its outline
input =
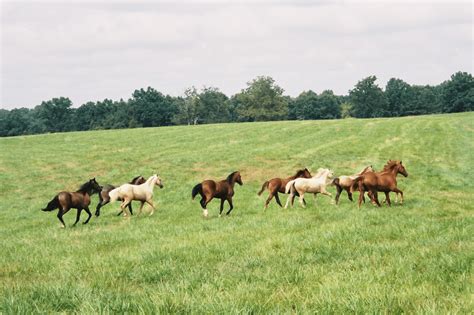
(302, 182)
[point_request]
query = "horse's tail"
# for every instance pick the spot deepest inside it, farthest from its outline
(356, 184)
(196, 190)
(114, 194)
(52, 205)
(336, 182)
(288, 186)
(265, 185)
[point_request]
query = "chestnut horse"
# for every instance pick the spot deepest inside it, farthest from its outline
(79, 200)
(277, 185)
(384, 181)
(224, 190)
(104, 197)
(346, 182)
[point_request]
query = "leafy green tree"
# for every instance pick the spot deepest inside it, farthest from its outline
(458, 94)
(151, 108)
(212, 106)
(56, 114)
(368, 99)
(262, 100)
(187, 108)
(399, 95)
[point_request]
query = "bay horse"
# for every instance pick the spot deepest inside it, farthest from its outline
(384, 181)
(104, 197)
(143, 193)
(79, 200)
(345, 183)
(277, 185)
(315, 185)
(224, 190)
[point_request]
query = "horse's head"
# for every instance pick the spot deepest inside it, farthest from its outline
(238, 178)
(401, 169)
(94, 186)
(159, 181)
(306, 173)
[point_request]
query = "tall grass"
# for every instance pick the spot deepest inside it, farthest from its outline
(325, 258)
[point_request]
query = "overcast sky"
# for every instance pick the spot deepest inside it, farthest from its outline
(91, 50)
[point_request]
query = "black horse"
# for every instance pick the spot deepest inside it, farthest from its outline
(79, 200)
(104, 197)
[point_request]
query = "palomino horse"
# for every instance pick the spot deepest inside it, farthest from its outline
(346, 182)
(79, 200)
(223, 189)
(277, 185)
(385, 181)
(104, 197)
(142, 193)
(315, 185)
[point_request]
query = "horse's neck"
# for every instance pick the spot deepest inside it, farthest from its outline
(362, 172)
(151, 183)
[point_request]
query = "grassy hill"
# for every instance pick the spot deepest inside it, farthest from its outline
(412, 258)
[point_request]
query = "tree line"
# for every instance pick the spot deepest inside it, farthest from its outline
(261, 100)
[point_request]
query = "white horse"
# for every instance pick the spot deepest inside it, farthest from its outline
(315, 185)
(142, 193)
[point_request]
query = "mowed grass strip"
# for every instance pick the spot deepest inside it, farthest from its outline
(412, 258)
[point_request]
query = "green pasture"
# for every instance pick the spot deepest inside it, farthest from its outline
(415, 258)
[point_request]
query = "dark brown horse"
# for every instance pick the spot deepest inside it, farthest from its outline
(383, 181)
(223, 189)
(277, 185)
(79, 200)
(104, 197)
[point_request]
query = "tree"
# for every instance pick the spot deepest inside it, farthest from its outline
(458, 94)
(213, 106)
(399, 94)
(262, 100)
(368, 100)
(151, 108)
(187, 108)
(56, 114)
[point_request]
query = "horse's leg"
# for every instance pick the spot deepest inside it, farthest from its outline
(288, 200)
(141, 207)
(124, 204)
(222, 207)
(270, 196)
(150, 202)
(89, 213)
(277, 198)
(361, 194)
(387, 198)
(205, 213)
(376, 198)
(349, 194)
(78, 215)
(301, 200)
(130, 208)
(338, 193)
(396, 190)
(229, 200)
(61, 212)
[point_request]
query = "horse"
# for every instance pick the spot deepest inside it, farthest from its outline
(345, 183)
(223, 189)
(277, 185)
(104, 197)
(79, 200)
(384, 181)
(316, 185)
(142, 193)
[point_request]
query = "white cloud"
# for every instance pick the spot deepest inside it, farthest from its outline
(91, 51)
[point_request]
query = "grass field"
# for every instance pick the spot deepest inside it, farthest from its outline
(326, 258)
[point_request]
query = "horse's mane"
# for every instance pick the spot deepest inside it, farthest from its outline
(300, 172)
(229, 178)
(390, 164)
(84, 187)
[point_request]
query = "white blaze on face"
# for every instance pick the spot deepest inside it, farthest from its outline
(205, 213)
